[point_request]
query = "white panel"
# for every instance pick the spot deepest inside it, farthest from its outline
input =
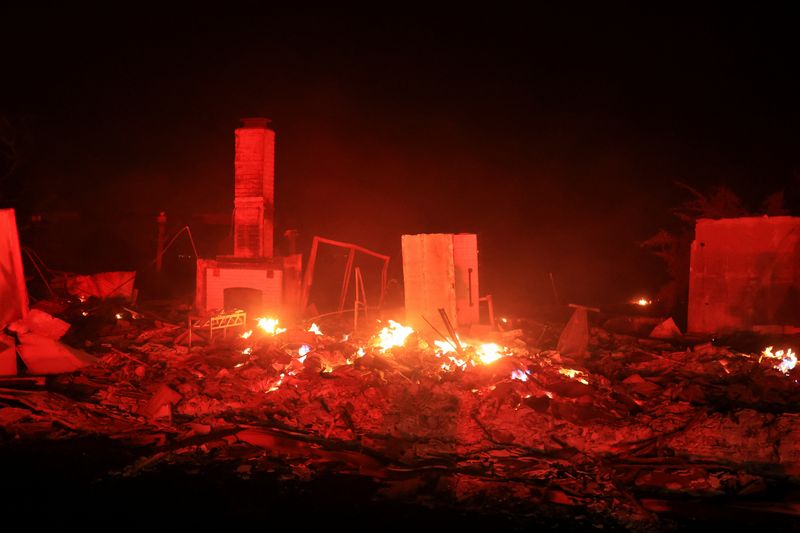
(429, 279)
(465, 260)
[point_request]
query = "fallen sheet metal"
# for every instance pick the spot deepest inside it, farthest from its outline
(102, 285)
(43, 355)
(41, 323)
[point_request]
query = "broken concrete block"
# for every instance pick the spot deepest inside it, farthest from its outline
(8, 356)
(574, 339)
(43, 355)
(666, 330)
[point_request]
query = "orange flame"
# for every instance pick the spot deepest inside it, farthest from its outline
(573, 374)
(486, 353)
(444, 347)
(395, 334)
(490, 352)
(269, 325)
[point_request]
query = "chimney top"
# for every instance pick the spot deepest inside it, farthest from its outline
(255, 122)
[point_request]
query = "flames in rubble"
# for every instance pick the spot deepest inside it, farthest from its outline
(485, 353)
(490, 352)
(458, 354)
(786, 359)
(395, 334)
(574, 374)
(269, 325)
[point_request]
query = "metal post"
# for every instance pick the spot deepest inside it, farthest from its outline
(162, 238)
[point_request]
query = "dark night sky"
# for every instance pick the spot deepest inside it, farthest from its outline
(555, 135)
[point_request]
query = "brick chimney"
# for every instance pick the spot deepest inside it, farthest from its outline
(254, 192)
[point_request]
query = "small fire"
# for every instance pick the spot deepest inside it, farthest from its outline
(643, 302)
(247, 351)
(270, 326)
(246, 334)
(303, 352)
(277, 384)
(444, 347)
(449, 350)
(573, 374)
(490, 352)
(519, 375)
(485, 353)
(314, 328)
(393, 335)
(788, 359)
(119, 316)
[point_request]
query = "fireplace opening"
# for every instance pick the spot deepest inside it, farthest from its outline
(246, 298)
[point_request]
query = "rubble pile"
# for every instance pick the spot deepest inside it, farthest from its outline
(634, 428)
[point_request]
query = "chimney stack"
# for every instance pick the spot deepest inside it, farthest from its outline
(254, 192)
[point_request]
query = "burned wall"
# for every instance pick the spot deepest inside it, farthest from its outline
(13, 294)
(440, 271)
(745, 275)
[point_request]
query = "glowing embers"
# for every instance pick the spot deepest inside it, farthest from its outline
(571, 373)
(314, 328)
(784, 360)
(269, 325)
(393, 335)
(642, 302)
(276, 385)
